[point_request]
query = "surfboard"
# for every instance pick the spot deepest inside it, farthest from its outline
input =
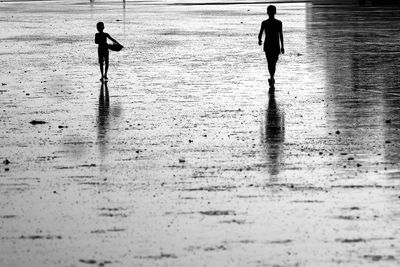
(115, 47)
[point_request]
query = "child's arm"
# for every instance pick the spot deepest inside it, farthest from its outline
(96, 38)
(260, 34)
(112, 39)
(281, 38)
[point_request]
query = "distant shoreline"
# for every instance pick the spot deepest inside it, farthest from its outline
(216, 2)
(186, 2)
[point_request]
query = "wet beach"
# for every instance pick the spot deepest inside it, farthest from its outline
(183, 158)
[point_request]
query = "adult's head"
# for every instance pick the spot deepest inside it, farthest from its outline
(271, 10)
(100, 26)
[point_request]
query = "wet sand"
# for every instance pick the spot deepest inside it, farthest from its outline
(184, 158)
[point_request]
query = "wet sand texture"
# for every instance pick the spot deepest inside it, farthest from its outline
(184, 159)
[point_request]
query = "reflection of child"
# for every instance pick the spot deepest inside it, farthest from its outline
(101, 40)
(273, 35)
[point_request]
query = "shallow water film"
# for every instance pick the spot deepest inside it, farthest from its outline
(183, 157)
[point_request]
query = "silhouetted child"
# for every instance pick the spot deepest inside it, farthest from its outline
(101, 40)
(273, 33)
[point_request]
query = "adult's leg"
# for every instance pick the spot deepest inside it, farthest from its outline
(272, 59)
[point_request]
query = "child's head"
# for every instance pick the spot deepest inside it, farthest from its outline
(271, 10)
(100, 26)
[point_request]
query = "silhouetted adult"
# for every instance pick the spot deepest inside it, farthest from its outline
(273, 33)
(101, 40)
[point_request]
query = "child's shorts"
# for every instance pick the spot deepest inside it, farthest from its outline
(103, 54)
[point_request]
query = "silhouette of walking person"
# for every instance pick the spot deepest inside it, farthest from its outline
(101, 40)
(273, 34)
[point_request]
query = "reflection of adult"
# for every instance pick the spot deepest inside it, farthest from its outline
(273, 33)
(274, 122)
(274, 135)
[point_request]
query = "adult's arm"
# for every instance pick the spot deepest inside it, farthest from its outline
(260, 34)
(281, 38)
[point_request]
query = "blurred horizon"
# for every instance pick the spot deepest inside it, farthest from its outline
(341, 2)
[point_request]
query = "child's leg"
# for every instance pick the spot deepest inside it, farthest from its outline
(100, 62)
(106, 67)
(101, 68)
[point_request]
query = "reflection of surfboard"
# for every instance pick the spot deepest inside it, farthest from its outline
(115, 47)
